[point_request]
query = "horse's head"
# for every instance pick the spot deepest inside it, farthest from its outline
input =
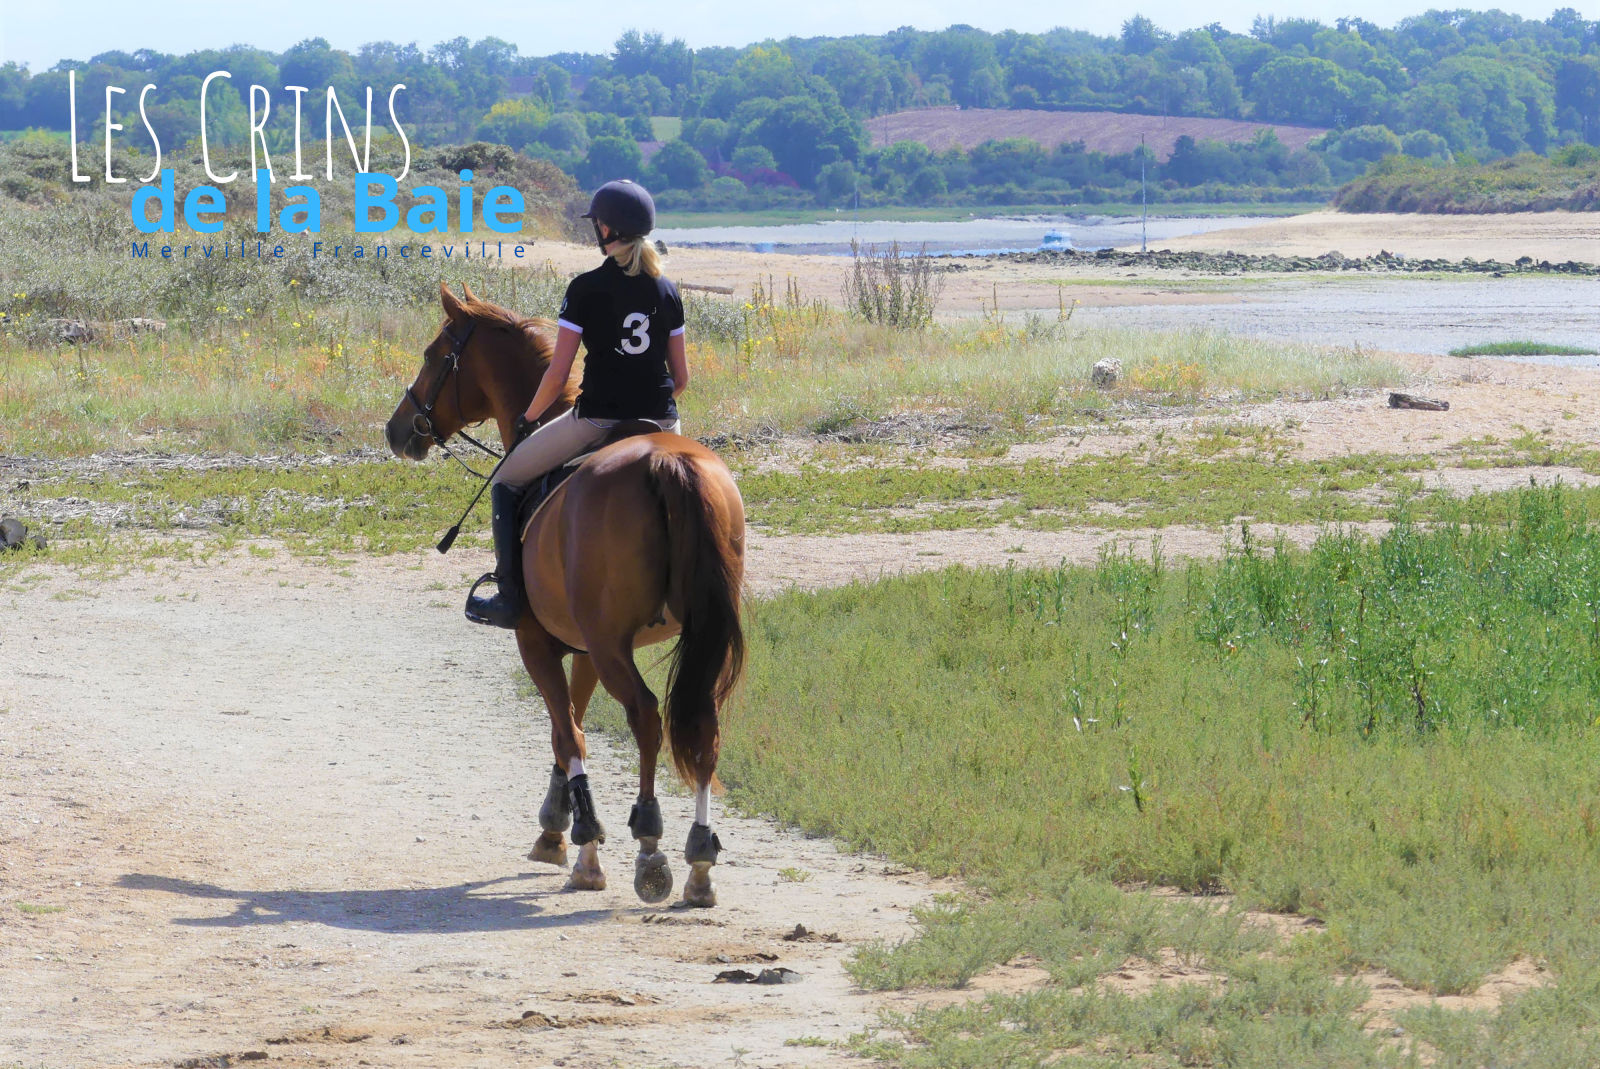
(450, 391)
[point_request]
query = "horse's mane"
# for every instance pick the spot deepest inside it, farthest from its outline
(538, 332)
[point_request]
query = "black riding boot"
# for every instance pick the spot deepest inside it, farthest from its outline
(505, 608)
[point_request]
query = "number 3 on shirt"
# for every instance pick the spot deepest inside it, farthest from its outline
(639, 324)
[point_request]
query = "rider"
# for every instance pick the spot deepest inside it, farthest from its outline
(630, 320)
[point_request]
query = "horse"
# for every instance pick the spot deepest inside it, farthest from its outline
(643, 543)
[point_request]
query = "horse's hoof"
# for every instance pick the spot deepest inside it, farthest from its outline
(697, 890)
(550, 849)
(652, 877)
(584, 879)
(587, 875)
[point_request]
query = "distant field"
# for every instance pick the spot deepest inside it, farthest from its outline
(1100, 131)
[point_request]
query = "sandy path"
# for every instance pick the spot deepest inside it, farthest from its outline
(280, 807)
(1553, 236)
(978, 285)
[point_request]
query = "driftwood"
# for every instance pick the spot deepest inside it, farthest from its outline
(1425, 404)
(725, 290)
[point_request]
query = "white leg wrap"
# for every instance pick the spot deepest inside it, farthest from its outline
(575, 768)
(702, 806)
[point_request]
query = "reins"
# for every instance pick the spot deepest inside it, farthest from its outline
(422, 423)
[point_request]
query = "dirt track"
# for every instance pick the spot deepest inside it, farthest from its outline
(280, 808)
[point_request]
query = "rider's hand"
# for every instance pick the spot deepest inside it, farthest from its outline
(521, 428)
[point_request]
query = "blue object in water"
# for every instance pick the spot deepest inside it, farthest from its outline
(1056, 239)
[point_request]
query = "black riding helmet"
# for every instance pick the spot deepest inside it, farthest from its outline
(625, 207)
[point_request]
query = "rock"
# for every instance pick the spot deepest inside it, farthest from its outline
(802, 934)
(141, 325)
(1105, 373)
(780, 975)
(1425, 404)
(13, 532)
(73, 330)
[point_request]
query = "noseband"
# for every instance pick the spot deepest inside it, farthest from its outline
(422, 422)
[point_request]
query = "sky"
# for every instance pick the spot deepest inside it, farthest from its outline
(42, 32)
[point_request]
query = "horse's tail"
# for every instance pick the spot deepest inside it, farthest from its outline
(704, 575)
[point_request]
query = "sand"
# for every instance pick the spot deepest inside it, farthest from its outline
(1553, 236)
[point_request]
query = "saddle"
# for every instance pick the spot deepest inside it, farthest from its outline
(539, 491)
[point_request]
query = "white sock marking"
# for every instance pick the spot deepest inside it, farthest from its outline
(575, 768)
(702, 806)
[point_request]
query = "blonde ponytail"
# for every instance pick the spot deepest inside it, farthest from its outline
(638, 254)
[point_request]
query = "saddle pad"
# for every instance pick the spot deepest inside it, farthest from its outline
(541, 491)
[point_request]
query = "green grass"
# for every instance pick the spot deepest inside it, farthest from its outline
(382, 507)
(389, 506)
(305, 379)
(1138, 489)
(1396, 737)
(1521, 348)
(36, 908)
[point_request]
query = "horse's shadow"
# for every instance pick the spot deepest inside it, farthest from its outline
(461, 908)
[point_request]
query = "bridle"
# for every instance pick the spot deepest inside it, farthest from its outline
(422, 422)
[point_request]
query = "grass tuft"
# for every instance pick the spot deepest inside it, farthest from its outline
(1521, 348)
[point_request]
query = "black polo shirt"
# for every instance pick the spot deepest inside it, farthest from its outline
(625, 322)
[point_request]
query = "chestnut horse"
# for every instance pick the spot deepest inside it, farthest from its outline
(645, 542)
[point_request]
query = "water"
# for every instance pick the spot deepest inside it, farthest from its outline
(969, 236)
(1400, 314)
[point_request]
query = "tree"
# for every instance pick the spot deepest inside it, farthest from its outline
(610, 158)
(1317, 92)
(678, 166)
(1140, 36)
(928, 182)
(640, 54)
(838, 182)
(965, 57)
(1368, 143)
(1578, 92)
(566, 133)
(513, 122)
(805, 135)
(1508, 107)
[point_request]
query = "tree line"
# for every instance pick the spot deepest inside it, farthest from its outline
(784, 121)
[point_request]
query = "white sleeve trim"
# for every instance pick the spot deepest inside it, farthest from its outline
(675, 333)
(569, 325)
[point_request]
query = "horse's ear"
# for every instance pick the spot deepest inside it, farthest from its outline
(453, 309)
(471, 297)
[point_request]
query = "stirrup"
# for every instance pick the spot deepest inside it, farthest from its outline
(472, 598)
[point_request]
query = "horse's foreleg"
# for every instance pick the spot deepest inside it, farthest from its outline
(652, 875)
(542, 657)
(555, 815)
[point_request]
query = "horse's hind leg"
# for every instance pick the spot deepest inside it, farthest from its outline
(703, 846)
(542, 657)
(652, 875)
